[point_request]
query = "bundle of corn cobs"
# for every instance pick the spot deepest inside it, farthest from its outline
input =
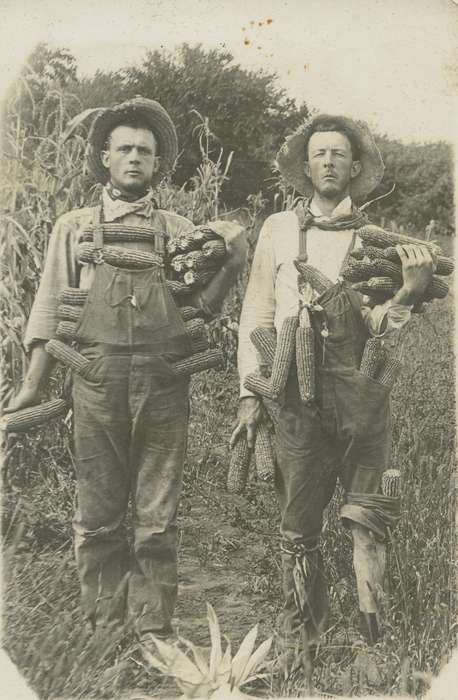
(375, 268)
(192, 261)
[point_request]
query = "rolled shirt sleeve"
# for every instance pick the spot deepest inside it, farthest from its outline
(386, 318)
(259, 304)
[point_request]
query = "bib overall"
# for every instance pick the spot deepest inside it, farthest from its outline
(344, 433)
(131, 420)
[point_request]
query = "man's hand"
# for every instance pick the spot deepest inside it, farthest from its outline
(41, 364)
(235, 240)
(417, 270)
(249, 417)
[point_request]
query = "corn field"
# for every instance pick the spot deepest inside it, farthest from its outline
(228, 554)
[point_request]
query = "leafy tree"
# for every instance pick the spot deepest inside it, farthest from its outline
(423, 174)
(247, 112)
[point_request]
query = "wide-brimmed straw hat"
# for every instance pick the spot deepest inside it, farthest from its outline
(291, 157)
(146, 111)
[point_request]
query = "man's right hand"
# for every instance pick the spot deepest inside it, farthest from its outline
(27, 396)
(40, 366)
(248, 419)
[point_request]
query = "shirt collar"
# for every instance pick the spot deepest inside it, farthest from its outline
(344, 207)
(116, 208)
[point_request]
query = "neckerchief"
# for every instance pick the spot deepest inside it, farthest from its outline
(356, 219)
(115, 207)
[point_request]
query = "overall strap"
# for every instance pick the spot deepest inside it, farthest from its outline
(97, 233)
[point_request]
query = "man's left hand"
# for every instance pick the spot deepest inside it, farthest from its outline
(417, 270)
(235, 240)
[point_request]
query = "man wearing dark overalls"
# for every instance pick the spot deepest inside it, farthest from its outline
(345, 431)
(130, 410)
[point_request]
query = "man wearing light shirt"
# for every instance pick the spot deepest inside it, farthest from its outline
(335, 163)
(130, 410)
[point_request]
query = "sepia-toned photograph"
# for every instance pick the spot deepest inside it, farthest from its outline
(227, 396)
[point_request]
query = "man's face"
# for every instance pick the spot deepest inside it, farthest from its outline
(330, 164)
(131, 158)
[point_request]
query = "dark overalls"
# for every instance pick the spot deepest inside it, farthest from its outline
(344, 433)
(131, 420)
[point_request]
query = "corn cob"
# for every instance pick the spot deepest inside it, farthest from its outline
(179, 289)
(26, 418)
(66, 330)
(214, 249)
(198, 362)
(119, 257)
(204, 234)
(189, 312)
(239, 466)
(195, 327)
(284, 354)
(438, 289)
(376, 284)
(114, 233)
(199, 279)
(389, 372)
(386, 268)
(258, 385)
(369, 252)
(265, 341)
(360, 270)
(67, 312)
(199, 344)
(173, 246)
(72, 295)
(187, 242)
(67, 355)
(178, 263)
(263, 454)
(372, 358)
(305, 361)
(319, 282)
(391, 483)
(378, 237)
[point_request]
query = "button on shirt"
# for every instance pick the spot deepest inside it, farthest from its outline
(272, 293)
(62, 268)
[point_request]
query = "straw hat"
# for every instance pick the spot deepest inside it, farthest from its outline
(291, 157)
(148, 111)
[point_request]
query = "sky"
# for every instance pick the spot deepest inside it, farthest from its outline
(393, 63)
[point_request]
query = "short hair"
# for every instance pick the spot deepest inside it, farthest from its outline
(135, 123)
(324, 124)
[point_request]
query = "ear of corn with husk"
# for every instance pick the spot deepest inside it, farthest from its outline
(305, 363)
(317, 280)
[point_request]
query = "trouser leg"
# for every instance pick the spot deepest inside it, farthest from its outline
(305, 484)
(101, 436)
(361, 478)
(159, 408)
